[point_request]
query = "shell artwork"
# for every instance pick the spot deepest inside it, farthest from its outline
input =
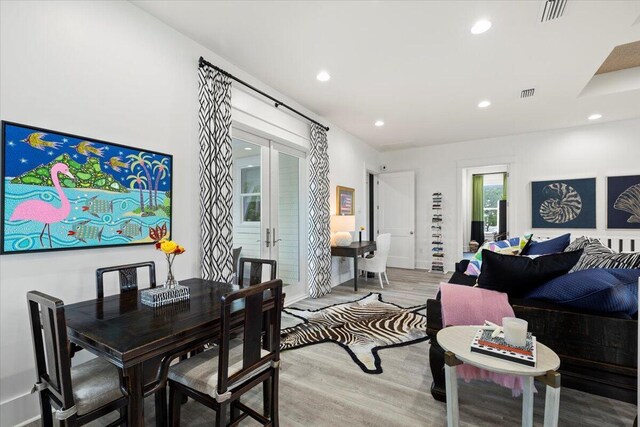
(629, 201)
(563, 203)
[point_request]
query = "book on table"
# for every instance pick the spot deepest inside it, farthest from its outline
(484, 343)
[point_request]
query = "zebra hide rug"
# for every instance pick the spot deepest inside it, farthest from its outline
(361, 327)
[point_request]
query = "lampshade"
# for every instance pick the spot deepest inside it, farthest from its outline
(343, 223)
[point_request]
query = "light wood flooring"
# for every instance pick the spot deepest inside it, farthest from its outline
(321, 386)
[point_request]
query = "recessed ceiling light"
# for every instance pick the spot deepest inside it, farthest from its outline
(248, 148)
(595, 116)
(484, 104)
(481, 26)
(323, 76)
(379, 123)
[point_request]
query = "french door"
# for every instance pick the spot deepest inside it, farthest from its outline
(268, 204)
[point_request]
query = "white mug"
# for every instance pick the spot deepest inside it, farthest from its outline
(515, 331)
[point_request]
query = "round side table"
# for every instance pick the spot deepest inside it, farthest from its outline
(456, 341)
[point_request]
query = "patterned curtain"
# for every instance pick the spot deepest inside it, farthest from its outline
(216, 193)
(319, 215)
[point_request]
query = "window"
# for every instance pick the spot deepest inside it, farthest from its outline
(492, 189)
(250, 193)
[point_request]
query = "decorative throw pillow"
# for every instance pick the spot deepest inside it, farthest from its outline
(513, 246)
(600, 289)
(519, 275)
(551, 246)
(580, 243)
(596, 255)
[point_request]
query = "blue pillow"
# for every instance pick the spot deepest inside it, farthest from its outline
(597, 289)
(551, 246)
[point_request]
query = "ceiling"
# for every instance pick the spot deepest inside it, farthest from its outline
(416, 65)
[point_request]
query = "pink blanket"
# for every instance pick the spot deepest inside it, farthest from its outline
(465, 305)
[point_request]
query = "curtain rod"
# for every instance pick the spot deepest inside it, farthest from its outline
(203, 62)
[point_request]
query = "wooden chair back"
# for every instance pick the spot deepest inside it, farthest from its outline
(128, 276)
(236, 256)
(261, 330)
(255, 270)
(50, 347)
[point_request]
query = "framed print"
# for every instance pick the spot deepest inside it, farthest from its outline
(623, 202)
(564, 203)
(345, 201)
(62, 191)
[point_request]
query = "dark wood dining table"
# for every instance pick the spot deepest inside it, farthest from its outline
(138, 338)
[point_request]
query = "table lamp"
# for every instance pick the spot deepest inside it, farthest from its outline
(341, 225)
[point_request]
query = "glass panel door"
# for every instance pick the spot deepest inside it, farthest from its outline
(286, 227)
(250, 193)
(267, 205)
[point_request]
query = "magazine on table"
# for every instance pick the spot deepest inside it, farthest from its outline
(484, 343)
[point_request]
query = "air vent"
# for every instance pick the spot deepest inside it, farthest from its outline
(527, 93)
(552, 9)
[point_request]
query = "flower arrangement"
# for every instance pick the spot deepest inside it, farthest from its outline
(170, 249)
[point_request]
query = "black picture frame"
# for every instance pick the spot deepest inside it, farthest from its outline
(623, 202)
(91, 207)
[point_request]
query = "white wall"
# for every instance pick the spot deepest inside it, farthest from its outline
(347, 168)
(110, 71)
(594, 150)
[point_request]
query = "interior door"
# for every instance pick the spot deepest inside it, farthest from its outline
(268, 205)
(396, 195)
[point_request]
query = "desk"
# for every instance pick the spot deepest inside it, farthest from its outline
(456, 341)
(138, 338)
(354, 250)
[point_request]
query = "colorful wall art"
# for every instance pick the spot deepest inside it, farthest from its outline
(568, 203)
(62, 191)
(623, 202)
(345, 203)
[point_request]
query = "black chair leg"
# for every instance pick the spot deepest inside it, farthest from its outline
(221, 415)
(161, 407)
(274, 398)
(45, 410)
(235, 411)
(124, 416)
(266, 397)
(175, 398)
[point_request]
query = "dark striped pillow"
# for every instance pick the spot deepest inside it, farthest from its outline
(580, 243)
(596, 255)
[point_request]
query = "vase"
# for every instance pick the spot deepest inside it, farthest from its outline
(171, 280)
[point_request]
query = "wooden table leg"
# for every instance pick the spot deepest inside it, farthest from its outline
(527, 402)
(451, 384)
(552, 400)
(135, 378)
(355, 273)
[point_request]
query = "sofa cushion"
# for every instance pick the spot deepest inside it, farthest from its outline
(513, 246)
(602, 290)
(596, 255)
(519, 275)
(551, 246)
(580, 243)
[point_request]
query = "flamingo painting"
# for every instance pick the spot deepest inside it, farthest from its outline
(43, 212)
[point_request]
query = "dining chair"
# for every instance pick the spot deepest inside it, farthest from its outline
(236, 256)
(81, 393)
(255, 270)
(217, 378)
(378, 263)
(128, 276)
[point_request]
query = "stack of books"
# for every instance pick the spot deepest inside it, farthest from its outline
(484, 343)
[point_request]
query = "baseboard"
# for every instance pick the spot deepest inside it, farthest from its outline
(18, 411)
(288, 302)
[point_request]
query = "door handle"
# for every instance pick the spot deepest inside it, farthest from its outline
(411, 232)
(268, 239)
(274, 237)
